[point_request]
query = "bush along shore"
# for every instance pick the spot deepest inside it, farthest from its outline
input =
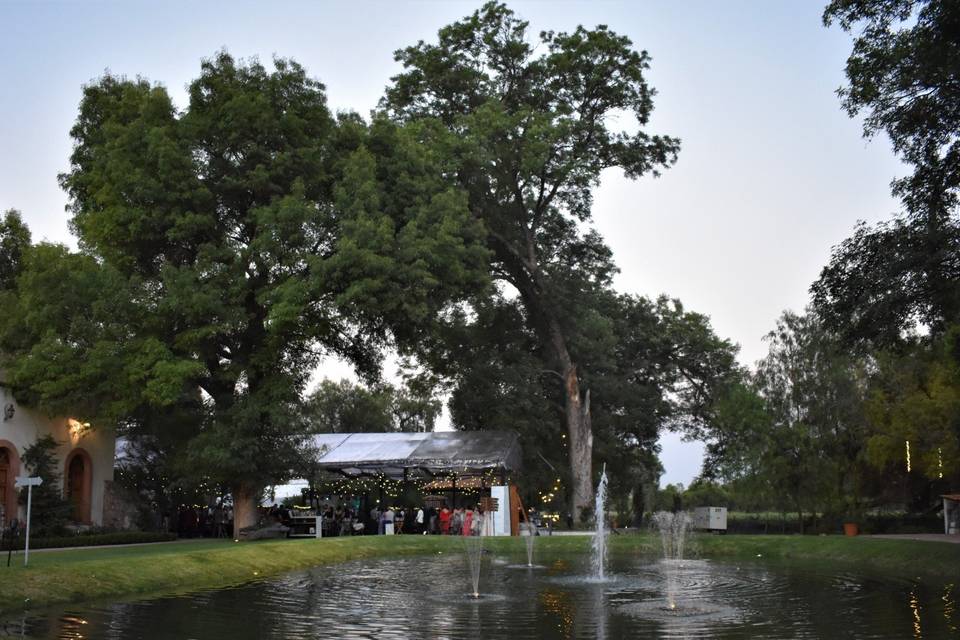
(72, 576)
(88, 540)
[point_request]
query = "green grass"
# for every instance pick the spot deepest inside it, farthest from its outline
(58, 577)
(900, 558)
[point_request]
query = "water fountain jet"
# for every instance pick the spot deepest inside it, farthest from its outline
(529, 531)
(673, 529)
(600, 536)
(474, 544)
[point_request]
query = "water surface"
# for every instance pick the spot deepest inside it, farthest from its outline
(427, 597)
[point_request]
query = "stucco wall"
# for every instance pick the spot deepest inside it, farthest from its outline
(26, 426)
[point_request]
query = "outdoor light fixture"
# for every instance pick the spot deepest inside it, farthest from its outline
(77, 428)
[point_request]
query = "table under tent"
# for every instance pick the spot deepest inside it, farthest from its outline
(450, 468)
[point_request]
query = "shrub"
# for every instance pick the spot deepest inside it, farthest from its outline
(90, 539)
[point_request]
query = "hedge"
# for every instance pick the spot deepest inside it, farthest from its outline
(90, 540)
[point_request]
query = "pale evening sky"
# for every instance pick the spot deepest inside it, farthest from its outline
(771, 172)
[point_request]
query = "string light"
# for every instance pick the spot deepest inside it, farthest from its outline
(908, 455)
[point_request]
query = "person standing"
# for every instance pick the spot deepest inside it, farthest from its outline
(388, 518)
(419, 519)
(445, 520)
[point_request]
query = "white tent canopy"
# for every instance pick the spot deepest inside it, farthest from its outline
(397, 454)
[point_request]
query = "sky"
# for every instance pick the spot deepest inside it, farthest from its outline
(771, 173)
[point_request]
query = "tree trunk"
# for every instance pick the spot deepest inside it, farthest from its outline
(639, 505)
(576, 410)
(580, 435)
(244, 508)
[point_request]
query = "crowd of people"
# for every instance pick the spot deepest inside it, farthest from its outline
(430, 521)
(343, 520)
(203, 522)
(426, 520)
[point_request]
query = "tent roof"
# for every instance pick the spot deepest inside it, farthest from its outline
(465, 452)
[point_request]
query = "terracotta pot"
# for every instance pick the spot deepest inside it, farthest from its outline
(850, 529)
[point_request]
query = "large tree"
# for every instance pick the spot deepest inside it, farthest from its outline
(915, 398)
(894, 288)
(904, 77)
(14, 240)
(650, 365)
(796, 428)
(529, 130)
(224, 248)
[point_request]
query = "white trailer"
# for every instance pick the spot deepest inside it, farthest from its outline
(710, 518)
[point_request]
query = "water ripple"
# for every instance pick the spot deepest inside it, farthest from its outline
(428, 598)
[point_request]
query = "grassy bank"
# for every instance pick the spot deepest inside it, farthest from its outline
(901, 558)
(57, 577)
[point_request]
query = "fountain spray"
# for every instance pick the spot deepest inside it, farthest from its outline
(600, 537)
(531, 532)
(475, 554)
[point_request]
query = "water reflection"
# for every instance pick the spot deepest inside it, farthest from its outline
(426, 598)
(915, 609)
(949, 606)
(559, 604)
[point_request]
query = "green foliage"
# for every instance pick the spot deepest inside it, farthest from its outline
(14, 240)
(649, 364)
(95, 540)
(701, 493)
(526, 133)
(893, 289)
(885, 280)
(904, 75)
(49, 511)
(345, 407)
(915, 397)
(793, 435)
(903, 72)
(224, 247)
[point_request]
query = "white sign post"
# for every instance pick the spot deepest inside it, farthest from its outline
(29, 483)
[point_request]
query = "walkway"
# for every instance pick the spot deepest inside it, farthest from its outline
(927, 537)
(117, 546)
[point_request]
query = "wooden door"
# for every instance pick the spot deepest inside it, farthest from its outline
(4, 480)
(75, 488)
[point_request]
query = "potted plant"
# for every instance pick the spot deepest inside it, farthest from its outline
(852, 517)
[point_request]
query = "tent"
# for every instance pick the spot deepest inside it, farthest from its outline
(398, 455)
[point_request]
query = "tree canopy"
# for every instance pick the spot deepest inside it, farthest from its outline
(14, 240)
(346, 407)
(904, 77)
(528, 133)
(224, 248)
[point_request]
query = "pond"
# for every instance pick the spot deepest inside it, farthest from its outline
(427, 597)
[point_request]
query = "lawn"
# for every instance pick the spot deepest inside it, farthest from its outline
(56, 577)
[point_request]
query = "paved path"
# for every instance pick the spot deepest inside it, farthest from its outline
(928, 537)
(543, 532)
(135, 544)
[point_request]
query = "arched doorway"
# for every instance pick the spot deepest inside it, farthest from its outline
(79, 473)
(9, 469)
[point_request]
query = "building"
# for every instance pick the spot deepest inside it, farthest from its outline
(84, 459)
